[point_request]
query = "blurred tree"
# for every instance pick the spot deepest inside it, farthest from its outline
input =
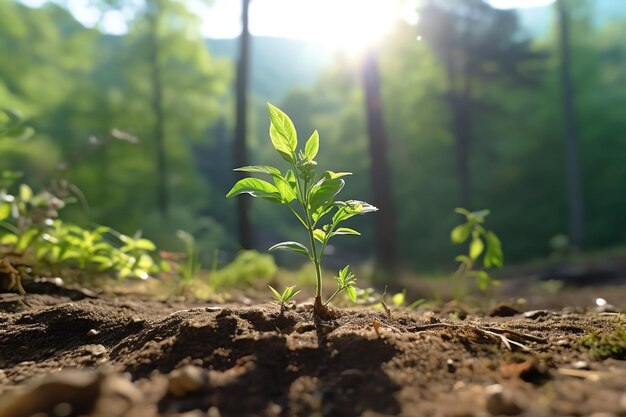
(385, 249)
(476, 43)
(240, 144)
(574, 188)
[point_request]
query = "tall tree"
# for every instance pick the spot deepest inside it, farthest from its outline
(240, 151)
(574, 188)
(153, 16)
(385, 250)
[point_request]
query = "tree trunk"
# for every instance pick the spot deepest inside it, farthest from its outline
(240, 151)
(157, 108)
(386, 251)
(574, 192)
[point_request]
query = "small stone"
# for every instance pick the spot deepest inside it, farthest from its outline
(213, 412)
(186, 380)
(535, 314)
(213, 309)
(581, 365)
(451, 365)
(500, 401)
(562, 342)
(98, 351)
(93, 332)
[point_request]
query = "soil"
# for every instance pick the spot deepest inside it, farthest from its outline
(75, 353)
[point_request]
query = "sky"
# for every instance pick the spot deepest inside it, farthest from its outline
(307, 20)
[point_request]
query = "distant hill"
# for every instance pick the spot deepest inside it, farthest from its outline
(277, 64)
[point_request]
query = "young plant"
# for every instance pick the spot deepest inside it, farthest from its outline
(310, 196)
(285, 297)
(483, 242)
(189, 270)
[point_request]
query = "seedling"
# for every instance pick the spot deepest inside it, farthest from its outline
(283, 299)
(483, 241)
(311, 197)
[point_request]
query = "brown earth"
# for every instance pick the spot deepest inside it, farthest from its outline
(142, 358)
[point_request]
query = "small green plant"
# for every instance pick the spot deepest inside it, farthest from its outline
(346, 281)
(190, 268)
(314, 193)
(283, 299)
(482, 242)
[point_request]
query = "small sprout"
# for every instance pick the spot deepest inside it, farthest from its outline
(346, 281)
(283, 299)
(482, 242)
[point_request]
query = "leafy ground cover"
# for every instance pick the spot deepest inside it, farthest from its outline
(72, 352)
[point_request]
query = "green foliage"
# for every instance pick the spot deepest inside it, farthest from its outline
(315, 194)
(248, 268)
(285, 297)
(32, 229)
(12, 125)
(482, 242)
(606, 344)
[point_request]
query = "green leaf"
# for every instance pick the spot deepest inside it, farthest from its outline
(276, 293)
(260, 169)
(312, 146)
(482, 279)
(494, 255)
(145, 244)
(291, 246)
(346, 231)
(464, 259)
(319, 235)
(460, 233)
(26, 193)
(286, 190)
(282, 133)
(324, 191)
(399, 299)
(462, 211)
(9, 239)
(334, 175)
(476, 247)
(256, 188)
(26, 239)
(351, 208)
(5, 211)
(351, 291)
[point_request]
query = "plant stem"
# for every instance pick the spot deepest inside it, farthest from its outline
(337, 291)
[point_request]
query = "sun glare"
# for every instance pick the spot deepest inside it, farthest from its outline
(346, 25)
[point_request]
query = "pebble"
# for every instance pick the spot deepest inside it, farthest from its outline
(98, 351)
(93, 332)
(581, 365)
(186, 380)
(535, 314)
(500, 401)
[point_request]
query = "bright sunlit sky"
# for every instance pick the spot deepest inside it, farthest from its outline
(352, 23)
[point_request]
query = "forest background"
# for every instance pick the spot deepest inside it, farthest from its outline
(474, 106)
